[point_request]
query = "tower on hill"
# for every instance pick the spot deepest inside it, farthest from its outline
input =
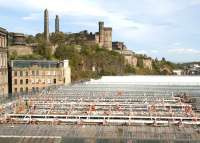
(57, 26)
(104, 36)
(101, 34)
(46, 25)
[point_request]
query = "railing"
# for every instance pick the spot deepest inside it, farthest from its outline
(14, 96)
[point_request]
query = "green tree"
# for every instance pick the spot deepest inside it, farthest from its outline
(44, 49)
(30, 39)
(57, 38)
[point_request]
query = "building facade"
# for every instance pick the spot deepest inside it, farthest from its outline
(129, 56)
(17, 38)
(104, 36)
(118, 46)
(34, 75)
(3, 63)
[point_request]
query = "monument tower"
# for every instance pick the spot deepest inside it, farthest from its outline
(57, 26)
(101, 34)
(46, 25)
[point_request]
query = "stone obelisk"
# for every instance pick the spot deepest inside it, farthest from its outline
(57, 26)
(46, 25)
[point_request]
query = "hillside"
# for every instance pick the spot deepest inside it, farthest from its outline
(87, 59)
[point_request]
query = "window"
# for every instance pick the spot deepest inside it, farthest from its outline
(15, 90)
(37, 73)
(26, 81)
(21, 73)
(21, 89)
(37, 88)
(15, 73)
(26, 73)
(33, 88)
(21, 81)
(26, 89)
(54, 81)
(33, 72)
(15, 82)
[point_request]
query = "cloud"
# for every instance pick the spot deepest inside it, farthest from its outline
(143, 24)
(32, 16)
(195, 2)
(184, 51)
(154, 51)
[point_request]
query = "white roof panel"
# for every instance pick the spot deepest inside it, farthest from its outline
(152, 80)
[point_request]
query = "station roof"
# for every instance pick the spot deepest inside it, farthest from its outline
(148, 80)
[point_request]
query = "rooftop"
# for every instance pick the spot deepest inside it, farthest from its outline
(149, 80)
(3, 30)
(30, 63)
(107, 28)
(110, 108)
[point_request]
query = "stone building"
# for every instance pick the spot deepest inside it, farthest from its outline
(34, 75)
(118, 46)
(3, 63)
(129, 57)
(17, 38)
(104, 36)
(147, 63)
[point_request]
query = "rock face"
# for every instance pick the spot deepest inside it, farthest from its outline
(147, 63)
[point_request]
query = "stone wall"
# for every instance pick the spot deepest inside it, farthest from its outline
(21, 50)
(108, 38)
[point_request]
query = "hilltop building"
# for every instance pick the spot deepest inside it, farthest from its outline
(119, 46)
(104, 36)
(3, 62)
(34, 75)
(178, 72)
(17, 38)
(191, 69)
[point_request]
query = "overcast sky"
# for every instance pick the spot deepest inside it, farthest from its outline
(158, 28)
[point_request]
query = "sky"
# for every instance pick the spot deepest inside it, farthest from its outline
(157, 28)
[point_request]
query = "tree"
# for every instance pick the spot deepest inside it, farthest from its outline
(30, 39)
(140, 62)
(44, 49)
(163, 59)
(13, 55)
(57, 38)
